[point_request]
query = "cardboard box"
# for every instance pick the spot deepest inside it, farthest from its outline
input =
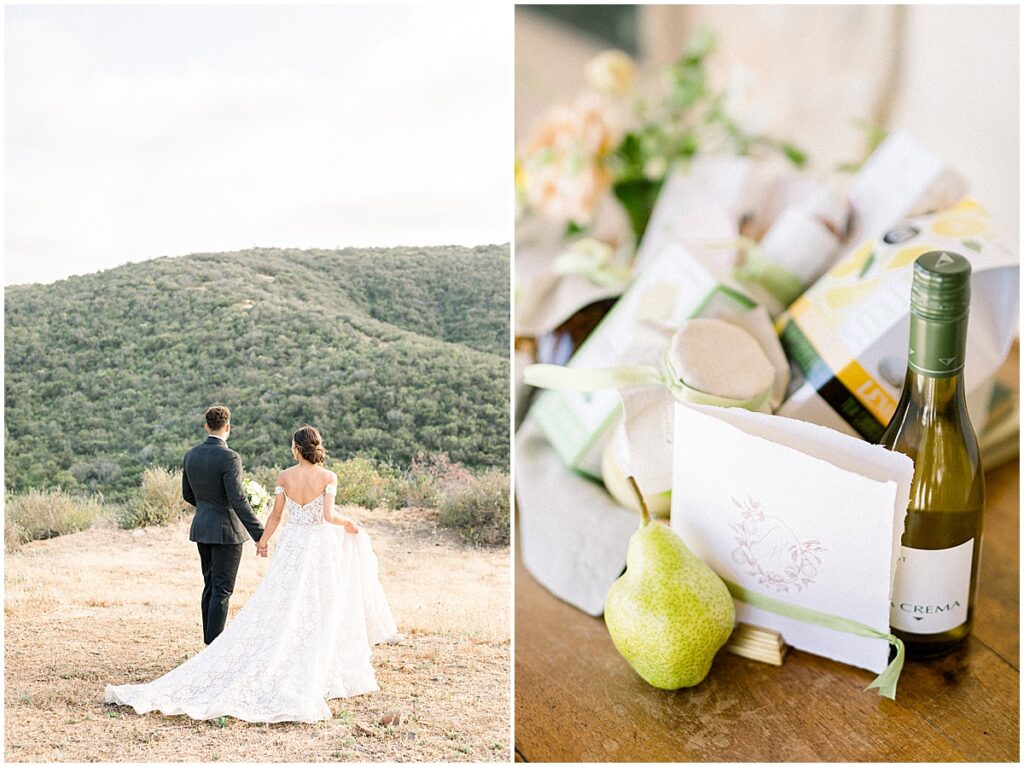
(675, 286)
(847, 336)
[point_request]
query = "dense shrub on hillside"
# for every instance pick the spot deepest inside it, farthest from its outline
(474, 504)
(390, 352)
(429, 479)
(364, 482)
(479, 509)
(457, 296)
(40, 514)
(158, 501)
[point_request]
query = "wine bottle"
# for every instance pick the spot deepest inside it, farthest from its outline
(937, 571)
(557, 346)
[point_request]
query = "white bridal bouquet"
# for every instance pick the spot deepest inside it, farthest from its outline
(258, 497)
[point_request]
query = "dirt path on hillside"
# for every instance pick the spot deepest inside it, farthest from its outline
(115, 606)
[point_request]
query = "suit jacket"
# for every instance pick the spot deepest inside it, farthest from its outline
(212, 482)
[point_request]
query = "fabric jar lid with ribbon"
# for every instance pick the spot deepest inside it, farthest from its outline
(706, 361)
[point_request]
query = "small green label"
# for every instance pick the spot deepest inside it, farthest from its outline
(937, 348)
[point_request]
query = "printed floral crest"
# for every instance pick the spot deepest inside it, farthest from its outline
(771, 552)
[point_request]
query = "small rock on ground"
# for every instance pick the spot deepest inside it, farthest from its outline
(392, 718)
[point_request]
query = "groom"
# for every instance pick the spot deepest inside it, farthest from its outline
(212, 482)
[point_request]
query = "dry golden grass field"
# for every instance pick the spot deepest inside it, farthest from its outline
(118, 606)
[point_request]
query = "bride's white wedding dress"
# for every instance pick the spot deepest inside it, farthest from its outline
(302, 638)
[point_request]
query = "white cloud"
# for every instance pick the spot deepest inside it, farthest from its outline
(135, 132)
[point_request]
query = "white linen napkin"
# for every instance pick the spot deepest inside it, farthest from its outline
(572, 535)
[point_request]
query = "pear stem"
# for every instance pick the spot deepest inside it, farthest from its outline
(645, 515)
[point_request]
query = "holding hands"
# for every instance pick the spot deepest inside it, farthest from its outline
(262, 549)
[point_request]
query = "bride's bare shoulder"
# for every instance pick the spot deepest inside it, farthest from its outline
(285, 475)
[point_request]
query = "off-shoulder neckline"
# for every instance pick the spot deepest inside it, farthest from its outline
(311, 500)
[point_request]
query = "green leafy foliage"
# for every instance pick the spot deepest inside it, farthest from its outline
(638, 196)
(364, 482)
(429, 480)
(158, 501)
(41, 514)
(390, 352)
(689, 117)
(479, 509)
(796, 155)
(476, 504)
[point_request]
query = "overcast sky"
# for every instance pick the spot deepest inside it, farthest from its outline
(136, 132)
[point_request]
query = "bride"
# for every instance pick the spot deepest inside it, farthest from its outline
(304, 636)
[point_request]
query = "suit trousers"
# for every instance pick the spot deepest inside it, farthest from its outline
(220, 566)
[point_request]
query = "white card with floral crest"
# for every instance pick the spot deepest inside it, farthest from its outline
(797, 512)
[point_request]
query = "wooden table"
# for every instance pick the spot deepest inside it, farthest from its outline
(578, 700)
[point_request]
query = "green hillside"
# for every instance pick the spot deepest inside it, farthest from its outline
(389, 351)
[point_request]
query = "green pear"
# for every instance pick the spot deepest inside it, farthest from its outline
(668, 614)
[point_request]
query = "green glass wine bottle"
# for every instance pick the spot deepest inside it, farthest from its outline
(937, 572)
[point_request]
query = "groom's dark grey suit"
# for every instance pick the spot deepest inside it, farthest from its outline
(212, 482)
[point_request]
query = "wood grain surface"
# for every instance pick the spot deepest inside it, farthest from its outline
(578, 700)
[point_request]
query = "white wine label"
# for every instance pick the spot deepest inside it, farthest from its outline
(932, 589)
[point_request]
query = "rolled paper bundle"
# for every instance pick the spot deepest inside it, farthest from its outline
(556, 279)
(799, 247)
(548, 300)
(594, 260)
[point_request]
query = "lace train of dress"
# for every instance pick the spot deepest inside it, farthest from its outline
(303, 637)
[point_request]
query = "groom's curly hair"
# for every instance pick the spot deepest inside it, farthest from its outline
(217, 417)
(310, 444)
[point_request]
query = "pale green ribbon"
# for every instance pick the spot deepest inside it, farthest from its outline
(596, 267)
(545, 376)
(628, 376)
(885, 682)
(777, 280)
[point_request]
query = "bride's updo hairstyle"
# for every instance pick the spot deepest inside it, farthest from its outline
(310, 444)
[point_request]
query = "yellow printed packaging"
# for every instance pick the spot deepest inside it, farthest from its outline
(847, 336)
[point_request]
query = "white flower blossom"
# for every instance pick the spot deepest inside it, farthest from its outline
(612, 73)
(561, 169)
